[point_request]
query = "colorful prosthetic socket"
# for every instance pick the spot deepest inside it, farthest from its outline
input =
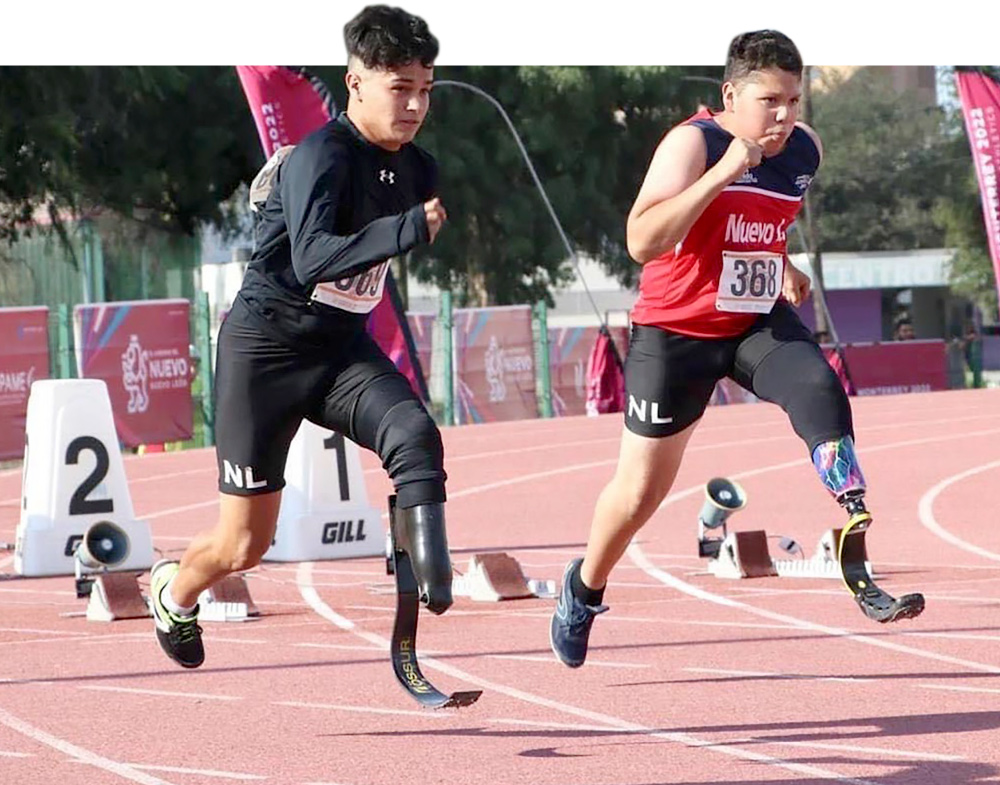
(838, 467)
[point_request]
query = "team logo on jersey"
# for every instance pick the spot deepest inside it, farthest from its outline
(387, 176)
(740, 230)
(802, 182)
(747, 178)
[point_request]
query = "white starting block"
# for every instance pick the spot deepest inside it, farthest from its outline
(492, 577)
(746, 555)
(228, 600)
(324, 510)
(73, 477)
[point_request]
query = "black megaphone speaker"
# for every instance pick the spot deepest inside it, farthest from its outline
(723, 497)
(104, 545)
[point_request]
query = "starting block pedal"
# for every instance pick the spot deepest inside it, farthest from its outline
(746, 555)
(116, 595)
(492, 577)
(228, 600)
(743, 555)
(823, 564)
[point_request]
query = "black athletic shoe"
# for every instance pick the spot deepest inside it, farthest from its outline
(179, 636)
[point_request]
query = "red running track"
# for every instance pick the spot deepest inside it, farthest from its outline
(691, 679)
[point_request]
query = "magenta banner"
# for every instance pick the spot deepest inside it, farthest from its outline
(141, 351)
(286, 105)
(494, 364)
(980, 97)
(24, 357)
(897, 367)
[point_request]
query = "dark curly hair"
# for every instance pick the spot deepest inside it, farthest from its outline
(384, 37)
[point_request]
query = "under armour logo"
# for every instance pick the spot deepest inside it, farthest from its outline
(387, 176)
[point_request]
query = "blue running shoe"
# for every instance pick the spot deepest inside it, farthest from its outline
(570, 628)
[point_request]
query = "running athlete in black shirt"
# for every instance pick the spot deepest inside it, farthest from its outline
(294, 346)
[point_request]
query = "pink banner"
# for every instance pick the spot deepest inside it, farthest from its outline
(286, 104)
(569, 354)
(980, 97)
(494, 364)
(897, 367)
(24, 357)
(141, 351)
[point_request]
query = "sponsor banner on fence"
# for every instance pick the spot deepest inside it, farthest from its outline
(897, 367)
(141, 351)
(24, 358)
(494, 364)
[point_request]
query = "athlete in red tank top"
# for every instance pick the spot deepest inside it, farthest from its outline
(738, 241)
(709, 227)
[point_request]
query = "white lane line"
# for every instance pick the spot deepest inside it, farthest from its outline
(895, 753)
(636, 554)
(771, 675)
(925, 510)
(5, 754)
(175, 510)
(225, 775)
(39, 632)
(309, 594)
(79, 753)
(343, 646)
(551, 660)
(362, 709)
(556, 725)
(162, 693)
(956, 688)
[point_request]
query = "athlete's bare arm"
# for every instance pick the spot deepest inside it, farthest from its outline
(677, 189)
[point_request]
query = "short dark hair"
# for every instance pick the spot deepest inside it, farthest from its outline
(384, 37)
(758, 51)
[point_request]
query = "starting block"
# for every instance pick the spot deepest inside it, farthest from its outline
(116, 595)
(746, 555)
(73, 479)
(492, 577)
(743, 555)
(228, 600)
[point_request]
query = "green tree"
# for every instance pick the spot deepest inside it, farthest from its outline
(887, 162)
(590, 132)
(163, 146)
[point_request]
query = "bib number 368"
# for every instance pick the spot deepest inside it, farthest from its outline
(750, 282)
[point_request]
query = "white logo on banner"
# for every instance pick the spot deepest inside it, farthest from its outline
(494, 371)
(135, 374)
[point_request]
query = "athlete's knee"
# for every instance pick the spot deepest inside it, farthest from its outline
(245, 531)
(409, 443)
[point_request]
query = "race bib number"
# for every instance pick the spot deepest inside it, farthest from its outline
(357, 293)
(750, 282)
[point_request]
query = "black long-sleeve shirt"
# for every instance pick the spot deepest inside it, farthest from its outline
(339, 209)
